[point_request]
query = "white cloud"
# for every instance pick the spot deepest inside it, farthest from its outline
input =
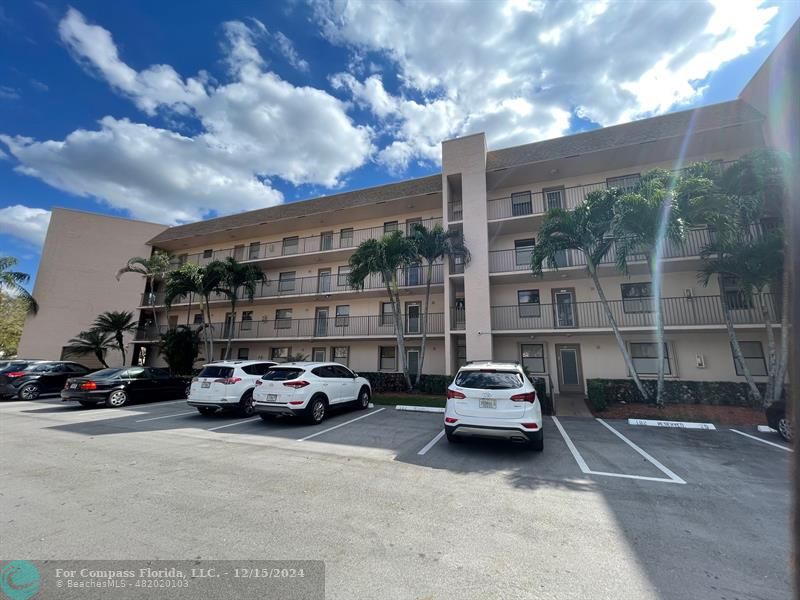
(519, 69)
(286, 47)
(24, 223)
(255, 127)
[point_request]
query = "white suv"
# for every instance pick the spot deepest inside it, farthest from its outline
(496, 400)
(227, 385)
(309, 389)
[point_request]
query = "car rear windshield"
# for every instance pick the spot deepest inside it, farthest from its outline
(282, 374)
(216, 372)
(106, 373)
(489, 380)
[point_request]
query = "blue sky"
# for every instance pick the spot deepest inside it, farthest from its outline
(172, 112)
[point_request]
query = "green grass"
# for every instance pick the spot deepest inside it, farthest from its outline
(408, 399)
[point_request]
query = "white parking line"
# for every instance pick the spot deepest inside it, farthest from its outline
(313, 435)
(231, 424)
(758, 439)
(191, 412)
(432, 443)
(656, 463)
(575, 454)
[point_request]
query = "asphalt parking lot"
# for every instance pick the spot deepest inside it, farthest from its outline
(608, 510)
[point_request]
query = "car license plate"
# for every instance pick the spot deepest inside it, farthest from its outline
(487, 403)
(272, 397)
(205, 384)
(73, 386)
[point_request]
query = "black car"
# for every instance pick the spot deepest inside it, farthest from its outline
(117, 387)
(776, 418)
(40, 377)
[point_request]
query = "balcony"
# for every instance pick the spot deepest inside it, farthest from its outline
(371, 326)
(320, 285)
(697, 311)
(458, 319)
(344, 239)
(504, 261)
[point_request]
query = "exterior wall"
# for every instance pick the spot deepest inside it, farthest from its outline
(76, 279)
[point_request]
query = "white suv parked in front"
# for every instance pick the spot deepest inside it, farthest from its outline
(495, 400)
(227, 385)
(309, 389)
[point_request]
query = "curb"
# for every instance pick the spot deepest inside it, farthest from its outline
(426, 409)
(672, 424)
(766, 429)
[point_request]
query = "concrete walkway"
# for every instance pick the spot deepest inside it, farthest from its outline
(572, 405)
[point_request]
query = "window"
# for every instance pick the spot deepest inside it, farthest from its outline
(280, 354)
(387, 313)
(182, 258)
(346, 237)
(341, 354)
(753, 354)
(388, 358)
(256, 369)
(553, 199)
(645, 358)
(208, 253)
(414, 274)
(389, 227)
(136, 373)
(318, 354)
(734, 296)
(521, 204)
(487, 379)
(198, 318)
(216, 372)
(523, 249)
(343, 315)
(326, 372)
(282, 374)
(254, 251)
(626, 183)
(528, 302)
(326, 240)
(247, 320)
(341, 372)
(283, 318)
(343, 276)
(286, 281)
(243, 353)
(461, 353)
(290, 245)
(411, 225)
(238, 252)
(637, 297)
(533, 357)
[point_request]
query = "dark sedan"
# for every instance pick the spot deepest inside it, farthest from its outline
(117, 387)
(776, 417)
(43, 377)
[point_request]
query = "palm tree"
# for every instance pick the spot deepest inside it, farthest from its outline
(433, 245)
(586, 230)
(385, 257)
(184, 282)
(90, 342)
(237, 279)
(644, 220)
(152, 269)
(116, 323)
(13, 281)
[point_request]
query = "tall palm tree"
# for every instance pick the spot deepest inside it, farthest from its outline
(385, 257)
(644, 220)
(116, 323)
(586, 230)
(90, 342)
(13, 281)
(152, 269)
(433, 245)
(238, 279)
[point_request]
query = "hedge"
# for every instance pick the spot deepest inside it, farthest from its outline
(602, 392)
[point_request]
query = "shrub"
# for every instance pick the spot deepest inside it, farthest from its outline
(180, 348)
(597, 394)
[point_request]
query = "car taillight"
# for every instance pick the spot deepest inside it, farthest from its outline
(88, 385)
(15, 374)
(296, 384)
(194, 379)
(258, 382)
(228, 380)
(530, 425)
(455, 394)
(529, 397)
(450, 420)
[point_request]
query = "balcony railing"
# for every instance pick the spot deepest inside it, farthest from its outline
(679, 311)
(503, 261)
(455, 211)
(318, 327)
(458, 319)
(332, 240)
(316, 285)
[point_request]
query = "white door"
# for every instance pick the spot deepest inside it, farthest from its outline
(412, 361)
(413, 317)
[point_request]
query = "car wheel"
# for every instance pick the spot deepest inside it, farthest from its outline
(784, 428)
(316, 410)
(452, 438)
(87, 404)
(537, 441)
(188, 389)
(116, 399)
(363, 398)
(247, 406)
(29, 391)
(206, 410)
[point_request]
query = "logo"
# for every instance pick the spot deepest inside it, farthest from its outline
(20, 580)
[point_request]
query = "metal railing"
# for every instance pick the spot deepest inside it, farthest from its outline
(315, 286)
(316, 327)
(290, 246)
(502, 261)
(455, 211)
(458, 319)
(677, 311)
